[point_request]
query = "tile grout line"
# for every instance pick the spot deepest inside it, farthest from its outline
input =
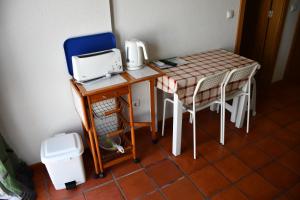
(187, 176)
(119, 187)
(97, 186)
(273, 159)
(158, 188)
(128, 174)
(209, 163)
(233, 152)
(256, 170)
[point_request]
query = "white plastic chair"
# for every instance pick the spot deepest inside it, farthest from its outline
(204, 84)
(244, 74)
(233, 108)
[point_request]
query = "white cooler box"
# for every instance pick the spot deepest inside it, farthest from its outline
(62, 155)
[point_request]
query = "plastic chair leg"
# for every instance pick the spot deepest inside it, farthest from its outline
(164, 118)
(194, 135)
(253, 100)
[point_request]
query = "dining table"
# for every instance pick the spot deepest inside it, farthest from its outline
(181, 81)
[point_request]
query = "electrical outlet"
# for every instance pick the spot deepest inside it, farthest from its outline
(136, 103)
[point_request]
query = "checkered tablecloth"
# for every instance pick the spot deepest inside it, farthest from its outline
(183, 79)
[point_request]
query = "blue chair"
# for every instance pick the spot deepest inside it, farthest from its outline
(87, 44)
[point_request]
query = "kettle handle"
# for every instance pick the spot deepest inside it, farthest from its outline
(142, 45)
(126, 53)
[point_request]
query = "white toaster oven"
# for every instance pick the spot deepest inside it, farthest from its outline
(97, 64)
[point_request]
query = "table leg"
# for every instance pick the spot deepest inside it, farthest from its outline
(94, 153)
(131, 118)
(94, 141)
(152, 110)
(241, 110)
(235, 105)
(177, 126)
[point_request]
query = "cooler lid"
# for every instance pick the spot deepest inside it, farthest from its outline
(61, 146)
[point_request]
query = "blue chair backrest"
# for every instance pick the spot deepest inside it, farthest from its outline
(87, 44)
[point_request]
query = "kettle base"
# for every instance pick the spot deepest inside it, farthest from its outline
(130, 68)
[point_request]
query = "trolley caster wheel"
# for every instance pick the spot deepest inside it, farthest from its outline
(154, 141)
(137, 160)
(101, 175)
(95, 176)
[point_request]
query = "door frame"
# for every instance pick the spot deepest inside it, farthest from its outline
(277, 39)
(240, 27)
(287, 70)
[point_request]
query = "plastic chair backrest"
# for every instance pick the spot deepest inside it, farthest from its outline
(87, 44)
(210, 82)
(243, 73)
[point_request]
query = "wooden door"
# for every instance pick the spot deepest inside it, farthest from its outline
(272, 41)
(262, 28)
(293, 65)
(255, 28)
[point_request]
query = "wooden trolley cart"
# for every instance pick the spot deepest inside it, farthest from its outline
(108, 112)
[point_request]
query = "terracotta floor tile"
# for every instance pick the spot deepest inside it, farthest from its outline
(90, 182)
(262, 126)
(230, 194)
(187, 140)
(297, 149)
(187, 163)
(209, 180)
(294, 127)
(39, 172)
(79, 197)
(182, 189)
(125, 168)
(280, 117)
(153, 196)
(40, 184)
(272, 147)
(41, 190)
(164, 172)
(283, 198)
(143, 135)
(255, 187)
(107, 192)
(287, 137)
(280, 103)
(136, 185)
(235, 141)
(293, 111)
(264, 107)
(232, 168)
(253, 156)
(278, 175)
(166, 142)
(212, 151)
(209, 122)
(292, 161)
(151, 154)
(294, 193)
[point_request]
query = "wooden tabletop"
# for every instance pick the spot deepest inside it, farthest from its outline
(129, 81)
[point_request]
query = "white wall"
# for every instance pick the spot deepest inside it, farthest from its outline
(286, 40)
(35, 99)
(173, 28)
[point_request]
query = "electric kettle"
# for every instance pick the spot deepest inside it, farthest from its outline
(135, 51)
